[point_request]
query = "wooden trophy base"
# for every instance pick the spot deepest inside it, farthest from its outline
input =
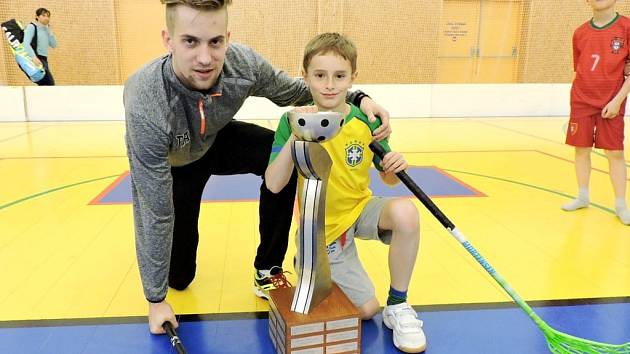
(333, 326)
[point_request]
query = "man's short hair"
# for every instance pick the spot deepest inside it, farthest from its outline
(203, 5)
(42, 11)
(330, 43)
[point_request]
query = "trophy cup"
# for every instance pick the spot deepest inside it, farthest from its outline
(315, 316)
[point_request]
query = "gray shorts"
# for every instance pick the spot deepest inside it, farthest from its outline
(345, 267)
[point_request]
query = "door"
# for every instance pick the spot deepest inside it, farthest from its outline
(479, 41)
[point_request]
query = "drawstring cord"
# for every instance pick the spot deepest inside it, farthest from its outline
(202, 129)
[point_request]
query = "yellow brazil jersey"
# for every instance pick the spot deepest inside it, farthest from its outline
(348, 185)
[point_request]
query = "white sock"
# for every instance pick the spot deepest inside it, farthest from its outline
(267, 272)
(621, 209)
(582, 201)
(620, 203)
(264, 272)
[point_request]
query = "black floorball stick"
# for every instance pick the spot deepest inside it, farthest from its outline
(175, 341)
(558, 342)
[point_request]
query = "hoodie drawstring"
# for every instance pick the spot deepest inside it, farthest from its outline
(202, 129)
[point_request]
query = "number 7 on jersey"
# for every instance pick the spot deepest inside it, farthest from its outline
(595, 61)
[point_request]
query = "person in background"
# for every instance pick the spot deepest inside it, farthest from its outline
(598, 101)
(40, 33)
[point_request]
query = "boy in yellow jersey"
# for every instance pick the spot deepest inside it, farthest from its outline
(329, 69)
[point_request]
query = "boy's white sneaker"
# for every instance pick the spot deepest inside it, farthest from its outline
(407, 328)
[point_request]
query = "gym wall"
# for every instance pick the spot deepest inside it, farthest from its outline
(101, 42)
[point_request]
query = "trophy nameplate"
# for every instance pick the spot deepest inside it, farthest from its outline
(333, 326)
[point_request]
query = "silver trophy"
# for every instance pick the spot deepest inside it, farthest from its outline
(313, 163)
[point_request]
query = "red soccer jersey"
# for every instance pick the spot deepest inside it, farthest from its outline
(599, 55)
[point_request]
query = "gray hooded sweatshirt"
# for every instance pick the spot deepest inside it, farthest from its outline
(163, 122)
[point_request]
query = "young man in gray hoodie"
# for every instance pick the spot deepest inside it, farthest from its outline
(179, 113)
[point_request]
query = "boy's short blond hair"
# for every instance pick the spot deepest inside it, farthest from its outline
(330, 43)
(203, 5)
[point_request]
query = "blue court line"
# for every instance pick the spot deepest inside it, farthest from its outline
(456, 331)
(433, 180)
(392, 191)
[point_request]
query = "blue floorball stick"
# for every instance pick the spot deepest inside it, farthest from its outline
(175, 341)
(558, 342)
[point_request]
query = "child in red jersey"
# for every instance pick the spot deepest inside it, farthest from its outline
(598, 100)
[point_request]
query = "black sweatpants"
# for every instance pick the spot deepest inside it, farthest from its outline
(239, 148)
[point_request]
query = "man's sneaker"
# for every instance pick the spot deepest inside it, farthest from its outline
(264, 283)
(406, 327)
